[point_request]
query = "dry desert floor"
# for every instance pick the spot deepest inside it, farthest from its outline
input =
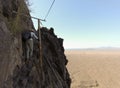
(94, 68)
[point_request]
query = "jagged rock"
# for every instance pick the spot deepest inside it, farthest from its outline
(14, 71)
(53, 71)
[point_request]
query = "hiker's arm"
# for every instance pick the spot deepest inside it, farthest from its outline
(35, 36)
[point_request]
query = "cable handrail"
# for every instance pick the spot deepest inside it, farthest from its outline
(49, 9)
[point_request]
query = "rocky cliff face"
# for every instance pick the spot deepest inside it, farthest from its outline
(50, 72)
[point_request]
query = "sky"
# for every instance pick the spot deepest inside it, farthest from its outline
(81, 23)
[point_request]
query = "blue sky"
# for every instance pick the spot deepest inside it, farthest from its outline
(82, 23)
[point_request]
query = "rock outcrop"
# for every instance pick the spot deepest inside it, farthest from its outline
(50, 72)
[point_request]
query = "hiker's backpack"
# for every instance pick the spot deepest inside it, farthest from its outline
(26, 35)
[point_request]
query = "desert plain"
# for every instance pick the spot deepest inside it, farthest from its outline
(94, 68)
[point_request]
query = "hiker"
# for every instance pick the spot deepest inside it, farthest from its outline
(27, 38)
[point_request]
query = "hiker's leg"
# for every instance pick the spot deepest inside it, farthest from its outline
(27, 49)
(31, 47)
(24, 53)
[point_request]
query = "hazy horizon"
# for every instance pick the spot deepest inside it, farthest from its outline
(93, 48)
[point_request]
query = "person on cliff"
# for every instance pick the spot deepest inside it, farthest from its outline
(27, 38)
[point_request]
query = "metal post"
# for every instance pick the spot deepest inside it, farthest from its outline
(40, 46)
(40, 58)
